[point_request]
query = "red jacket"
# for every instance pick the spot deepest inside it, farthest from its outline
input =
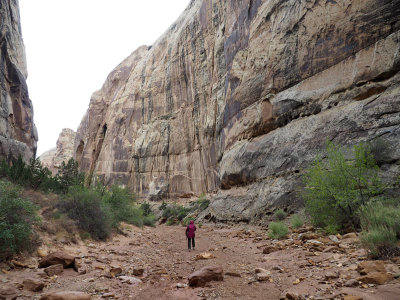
(190, 229)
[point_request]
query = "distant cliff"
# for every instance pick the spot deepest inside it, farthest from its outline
(18, 135)
(238, 97)
(64, 150)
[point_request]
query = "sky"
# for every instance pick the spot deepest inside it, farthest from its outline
(72, 45)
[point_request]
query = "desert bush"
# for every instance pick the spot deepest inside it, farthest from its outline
(380, 150)
(86, 207)
(186, 221)
(380, 222)
(17, 216)
(175, 211)
(163, 206)
(200, 204)
(68, 176)
(335, 188)
(296, 221)
(146, 208)
(277, 230)
(149, 220)
(279, 215)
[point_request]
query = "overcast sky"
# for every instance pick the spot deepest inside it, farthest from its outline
(71, 47)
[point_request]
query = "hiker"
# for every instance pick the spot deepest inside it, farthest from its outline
(190, 229)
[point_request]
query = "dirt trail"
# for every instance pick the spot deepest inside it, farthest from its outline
(306, 266)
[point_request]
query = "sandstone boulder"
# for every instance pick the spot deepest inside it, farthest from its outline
(205, 255)
(54, 270)
(129, 279)
(66, 296)
(368, 266)
(33, 285)
(376, 278)
(206, 274)
(8, 292)
(57, 258)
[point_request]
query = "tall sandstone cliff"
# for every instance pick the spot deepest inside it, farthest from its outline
(18, 135)
(238, 97)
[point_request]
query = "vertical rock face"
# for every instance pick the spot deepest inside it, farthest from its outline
(18, 135)
(53, 158)
(238, 97)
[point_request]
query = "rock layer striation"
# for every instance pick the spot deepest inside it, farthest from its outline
(238, 97)
(18, 135)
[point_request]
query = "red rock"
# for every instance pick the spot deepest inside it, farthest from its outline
(206, 274)
(369, 266)
(269, 249)
(376, 278)
(33, 285)
(57, 258)
(8, 292)
(350, 297)
(66, 296)
(54, 270)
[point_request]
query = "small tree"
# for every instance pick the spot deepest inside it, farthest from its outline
(68, 175)
(335, 188)
(37, 173)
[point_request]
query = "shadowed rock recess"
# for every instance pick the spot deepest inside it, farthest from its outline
(18, 135)
(238, 97)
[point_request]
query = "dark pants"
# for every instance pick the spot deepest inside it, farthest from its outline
(193, 244)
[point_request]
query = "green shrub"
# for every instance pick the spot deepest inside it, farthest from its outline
(68, 176)
(380, 150)
(163, 206)
(381, 242)
(200, 204)
(171, 221)
(296, 221)
(149, 220)
(87, 208)
(279, 215)
(17, 216)
(277, 230)
(187, 220)
(146, 208)
(175, 211)
(335, 188)
(381, 228)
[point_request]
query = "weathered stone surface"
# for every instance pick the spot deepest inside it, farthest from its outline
(8, 292)
(206, 274)
(369, 266)
(66, 296)
(54, 270)
(238, 97)
(33, 285)
(53, 158)
(57, 258)
(18, 135)
(376, 278)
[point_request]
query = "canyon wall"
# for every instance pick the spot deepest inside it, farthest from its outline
(238, 97)
(18, 135)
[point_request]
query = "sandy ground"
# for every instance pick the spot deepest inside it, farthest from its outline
(303, 266)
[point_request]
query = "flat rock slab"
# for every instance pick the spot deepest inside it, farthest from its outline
(54, 270)
(66, 296)
(57, 258)
(206, 274)
(33, 285)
